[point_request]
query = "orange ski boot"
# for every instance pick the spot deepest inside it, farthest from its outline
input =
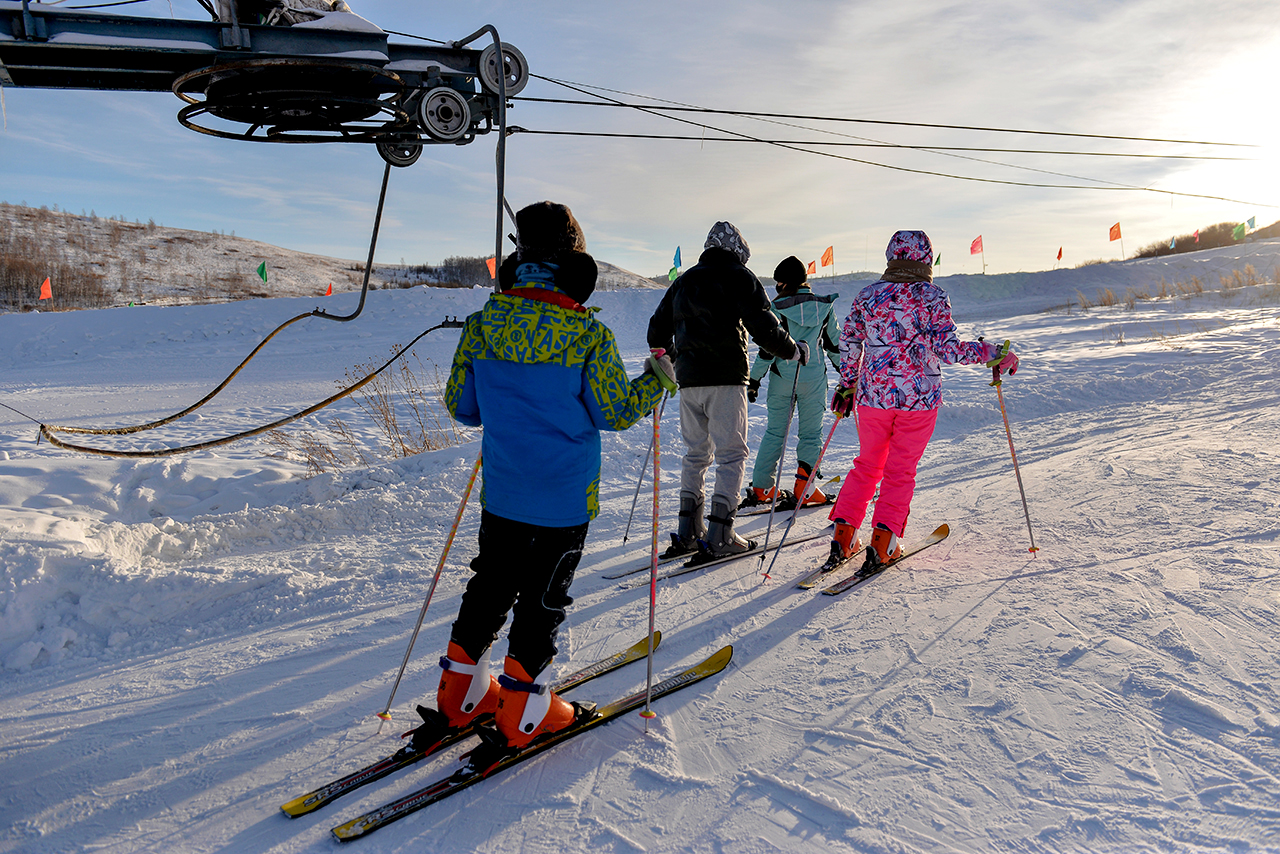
(884, 545)
(817, 496)
(466, 689)
(527, 710)
(845, 544)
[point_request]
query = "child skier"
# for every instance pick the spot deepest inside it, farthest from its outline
(811, 319)
(898, 334)
(543, 377)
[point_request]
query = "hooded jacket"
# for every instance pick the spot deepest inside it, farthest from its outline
(543, 377)
(704, 319)
(810, 318)
(899, 333)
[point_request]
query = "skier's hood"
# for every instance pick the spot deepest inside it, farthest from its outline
(804, 308)
(531, 331)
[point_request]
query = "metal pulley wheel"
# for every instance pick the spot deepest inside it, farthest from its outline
(444, 113)
(400, 152)
(514, 66)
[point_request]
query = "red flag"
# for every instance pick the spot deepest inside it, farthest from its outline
(813, 267)
(975, 248)
(493, 269)
(1115, 231)
(46, 289)
(829, 257)
(1059, 253)
(1197, 235)
(329, 292)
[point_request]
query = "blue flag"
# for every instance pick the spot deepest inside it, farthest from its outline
(674, 272)
(1251, 226)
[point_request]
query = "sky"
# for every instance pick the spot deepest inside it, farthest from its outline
(1166, 69)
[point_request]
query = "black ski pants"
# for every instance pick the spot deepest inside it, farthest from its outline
(524, 570)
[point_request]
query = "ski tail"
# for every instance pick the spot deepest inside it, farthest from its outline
(406, 756)
(467, 776)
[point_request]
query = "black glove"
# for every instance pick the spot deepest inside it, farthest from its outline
(753, 390)
(802, 352)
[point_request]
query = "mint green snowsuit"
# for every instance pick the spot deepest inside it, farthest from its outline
(810, 318)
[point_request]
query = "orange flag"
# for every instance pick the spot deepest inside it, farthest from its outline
(975, 248)
(46, 289)
(329, 292)
(813, 267)
(1115, 231)
(829, 256)
(493, 267)
(1059, 253)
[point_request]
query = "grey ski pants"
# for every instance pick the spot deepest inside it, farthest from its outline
(713, 423)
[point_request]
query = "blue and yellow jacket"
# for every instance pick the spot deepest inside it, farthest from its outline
(543, 377)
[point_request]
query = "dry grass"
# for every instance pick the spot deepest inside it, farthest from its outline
(405, 404)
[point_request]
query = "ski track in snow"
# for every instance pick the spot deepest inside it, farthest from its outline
(189, 642)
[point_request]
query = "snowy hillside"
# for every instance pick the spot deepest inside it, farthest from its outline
(189, 642)
(145, 262)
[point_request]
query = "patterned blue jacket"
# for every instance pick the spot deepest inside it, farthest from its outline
(543, 379)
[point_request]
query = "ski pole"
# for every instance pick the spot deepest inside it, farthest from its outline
(808, 488)
(661, 407)
(385, 714)
(995, 381)
(653, 573)
(782, 455)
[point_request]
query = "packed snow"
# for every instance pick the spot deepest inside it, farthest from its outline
(188, 642)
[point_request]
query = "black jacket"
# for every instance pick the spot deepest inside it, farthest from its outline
(705, 317)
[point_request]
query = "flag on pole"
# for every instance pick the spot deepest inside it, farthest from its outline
(1059, 253)
(937, 260)
(674, 272)
(813, 267)
(262, 272)
(493, 267)
(975, 248)
(1197, 235)
(1238, 232)
(828, 257)
(329, 292)
(1251, 225)
(1173, 243)
(46, 289)
(1115, 231)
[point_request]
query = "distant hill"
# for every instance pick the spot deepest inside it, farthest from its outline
(123, 262)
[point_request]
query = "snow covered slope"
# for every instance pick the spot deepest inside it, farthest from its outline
(189, 642)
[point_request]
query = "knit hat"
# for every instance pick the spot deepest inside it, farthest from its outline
(790, 271)
(725, 235)
(910, 246)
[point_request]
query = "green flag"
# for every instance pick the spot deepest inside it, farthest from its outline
(1238, 233)
(938, 260)
(262, 272)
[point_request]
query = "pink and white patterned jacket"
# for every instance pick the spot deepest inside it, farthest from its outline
(894, 342)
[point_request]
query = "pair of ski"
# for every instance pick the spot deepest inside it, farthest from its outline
(869, 569)
(473, 772)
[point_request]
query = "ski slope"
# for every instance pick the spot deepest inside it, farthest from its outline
(189, 642)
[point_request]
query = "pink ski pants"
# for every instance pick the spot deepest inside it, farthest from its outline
(890, 444)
